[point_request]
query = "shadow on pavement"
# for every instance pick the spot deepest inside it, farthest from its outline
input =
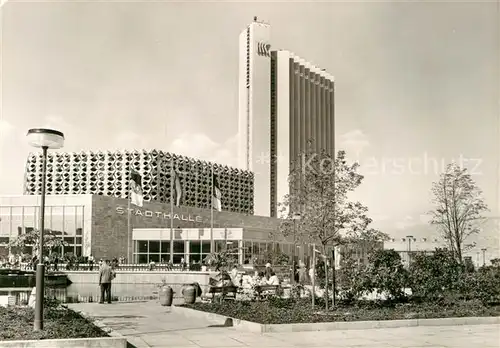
(227, 323)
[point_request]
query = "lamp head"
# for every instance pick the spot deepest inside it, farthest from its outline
(43, 137)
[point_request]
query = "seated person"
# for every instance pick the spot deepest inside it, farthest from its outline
(261, 280)
(238, 280)
(225, 279)
(247, 281)
(234, 272)
(273, 279)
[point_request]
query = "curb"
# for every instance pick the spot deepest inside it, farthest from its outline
(111, 342)
(243, 325)
(238, 324)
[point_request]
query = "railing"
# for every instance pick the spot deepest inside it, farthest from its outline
(120, 267)
(22, 297)
(142, 267)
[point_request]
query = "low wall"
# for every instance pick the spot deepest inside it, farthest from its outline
(111, 342)
(176, 279)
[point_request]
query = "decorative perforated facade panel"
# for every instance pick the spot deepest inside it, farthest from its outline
(107, 174)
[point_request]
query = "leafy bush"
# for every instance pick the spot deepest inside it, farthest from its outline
(352, 280)
(439, 277)
(16, 323)
(434, 276)
(276, 257)
(386, 275)
(483, 285)
(286, 311)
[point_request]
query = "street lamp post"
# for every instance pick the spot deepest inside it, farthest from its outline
(44, 139)
(295, 218)
(484, 256)
(409, 249)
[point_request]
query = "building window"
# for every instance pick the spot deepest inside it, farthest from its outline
(142, 258)
(142, 246)
(247, 251)
(195, 251)
(179, 250)
(154, 247)
(165, 251)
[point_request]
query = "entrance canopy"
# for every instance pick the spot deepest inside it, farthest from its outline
(187, 234)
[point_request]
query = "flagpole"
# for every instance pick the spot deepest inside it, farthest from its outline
(212, 211)
(160, 164)
(129, 261)
(172, 211)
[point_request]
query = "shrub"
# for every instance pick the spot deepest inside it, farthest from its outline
(386, 275)
(483, 285)
(16, 323)
(439, 277)
(286, 311)
(352, 280)
(433, 276)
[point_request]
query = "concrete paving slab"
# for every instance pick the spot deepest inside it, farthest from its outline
(150, 325)
(167, 339)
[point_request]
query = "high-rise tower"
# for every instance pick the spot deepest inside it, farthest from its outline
(254, 105)
(284, 102)
(302, 110)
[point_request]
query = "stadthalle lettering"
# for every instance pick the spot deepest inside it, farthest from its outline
(159, 214)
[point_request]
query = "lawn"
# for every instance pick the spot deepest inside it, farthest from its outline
(286, 311)
(16, 323)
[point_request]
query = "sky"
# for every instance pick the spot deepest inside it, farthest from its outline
(417, 85)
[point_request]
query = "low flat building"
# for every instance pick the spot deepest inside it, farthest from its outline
(108, 227)
(405, 247)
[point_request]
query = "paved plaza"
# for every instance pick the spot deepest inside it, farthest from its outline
(147, 324)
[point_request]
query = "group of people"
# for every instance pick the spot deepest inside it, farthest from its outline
(266, 277)
(113, 263)
(27, 262)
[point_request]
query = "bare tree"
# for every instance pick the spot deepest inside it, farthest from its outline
(459, 206)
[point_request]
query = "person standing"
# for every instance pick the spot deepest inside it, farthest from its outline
(302, 272)
(268, 271)
(106, 275)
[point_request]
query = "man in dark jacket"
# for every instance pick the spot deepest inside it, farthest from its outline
(106, 275)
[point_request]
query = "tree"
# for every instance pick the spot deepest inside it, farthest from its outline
(320, 195)
(320, 186)
(459, 206)
(51, 241)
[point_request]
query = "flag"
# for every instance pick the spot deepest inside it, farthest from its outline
(216, 194)
(136, 195)
(176, 189)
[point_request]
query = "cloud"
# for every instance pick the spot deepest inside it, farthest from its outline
(354, 141)
(130, 140)
(409, 221)
(379, 217)
(201, 146)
